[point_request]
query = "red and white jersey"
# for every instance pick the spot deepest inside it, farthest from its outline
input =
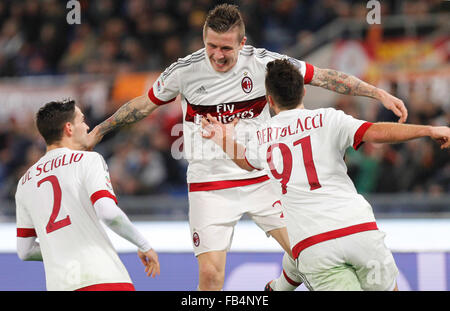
(54, 201)
(240, 92)
(303, 152)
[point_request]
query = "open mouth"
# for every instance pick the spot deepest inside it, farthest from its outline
(220, 63)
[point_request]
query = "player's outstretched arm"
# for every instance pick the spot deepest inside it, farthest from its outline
(107, 210)
(223, 136)
(350, 85)
(130, 112)
(386, 132)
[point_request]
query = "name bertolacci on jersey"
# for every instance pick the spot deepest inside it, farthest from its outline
(303, 151)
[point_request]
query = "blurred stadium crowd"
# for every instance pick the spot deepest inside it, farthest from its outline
(141, 35)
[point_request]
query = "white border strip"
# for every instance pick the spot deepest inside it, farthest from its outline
(402, 235)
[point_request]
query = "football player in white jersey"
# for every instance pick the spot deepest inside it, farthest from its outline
(226, 80)
(332, 229)
(61, 199)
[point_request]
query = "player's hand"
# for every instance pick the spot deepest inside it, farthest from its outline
(442, 135)
(217, 131)
(94, 138)
(394, 104)
(150, 260)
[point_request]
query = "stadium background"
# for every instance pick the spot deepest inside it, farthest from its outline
(119, 49)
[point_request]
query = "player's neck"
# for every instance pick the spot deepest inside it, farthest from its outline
(277, 110)
(61, 144)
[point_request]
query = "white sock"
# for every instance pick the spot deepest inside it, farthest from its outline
(283, 284)
(289, 279)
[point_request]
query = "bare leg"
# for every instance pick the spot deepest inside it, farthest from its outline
(395, 288)
(282, 238)
(211, 270)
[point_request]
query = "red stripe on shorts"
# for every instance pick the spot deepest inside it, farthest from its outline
(225, 184)
(108, 287)
(334, 234)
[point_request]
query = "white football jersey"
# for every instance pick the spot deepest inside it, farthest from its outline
(303, 152)
(240, 92)
(54, 201)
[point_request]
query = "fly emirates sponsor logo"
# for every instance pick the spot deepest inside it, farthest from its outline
(270, 134)
(48, 166)
(226, 112)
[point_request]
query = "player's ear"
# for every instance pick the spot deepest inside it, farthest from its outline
(242, 43)
(270, 100)
(68, 129)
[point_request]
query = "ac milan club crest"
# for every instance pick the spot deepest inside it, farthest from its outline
(196, 239)
(247, 84)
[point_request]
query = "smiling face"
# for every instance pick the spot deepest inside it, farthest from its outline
(223, 48)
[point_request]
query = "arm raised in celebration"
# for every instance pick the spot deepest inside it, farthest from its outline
(343, 83)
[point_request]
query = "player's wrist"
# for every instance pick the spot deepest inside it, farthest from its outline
(145, 247)
(380, 94)
(430, 131)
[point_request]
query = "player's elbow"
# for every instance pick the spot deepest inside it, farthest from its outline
(244, 165)
(146, 105)
(248, 168)
(24, 254)
(112, 222)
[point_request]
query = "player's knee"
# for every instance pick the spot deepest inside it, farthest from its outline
(211, 277)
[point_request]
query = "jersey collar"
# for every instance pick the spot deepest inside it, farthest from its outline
(57, 150)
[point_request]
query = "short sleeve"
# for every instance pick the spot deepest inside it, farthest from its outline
(96, 179)
(306, 69)
(166, 88)
(24, 223)
(350, 130)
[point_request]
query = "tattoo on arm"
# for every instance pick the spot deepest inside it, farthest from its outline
(342, 83)
(125, 115)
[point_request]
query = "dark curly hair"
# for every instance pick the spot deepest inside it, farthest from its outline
(51, 118)
(284, 83)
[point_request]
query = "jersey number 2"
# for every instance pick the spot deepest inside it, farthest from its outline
(53, 225)
(286, 154)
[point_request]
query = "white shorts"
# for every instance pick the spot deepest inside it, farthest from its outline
(214, 213)
(359, 261)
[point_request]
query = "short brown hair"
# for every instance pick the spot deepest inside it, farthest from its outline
(284, 83)
(223, 18)
(51, 118)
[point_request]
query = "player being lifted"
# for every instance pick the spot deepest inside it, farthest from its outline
(334, 236)
(226, 79)
(60, 200)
